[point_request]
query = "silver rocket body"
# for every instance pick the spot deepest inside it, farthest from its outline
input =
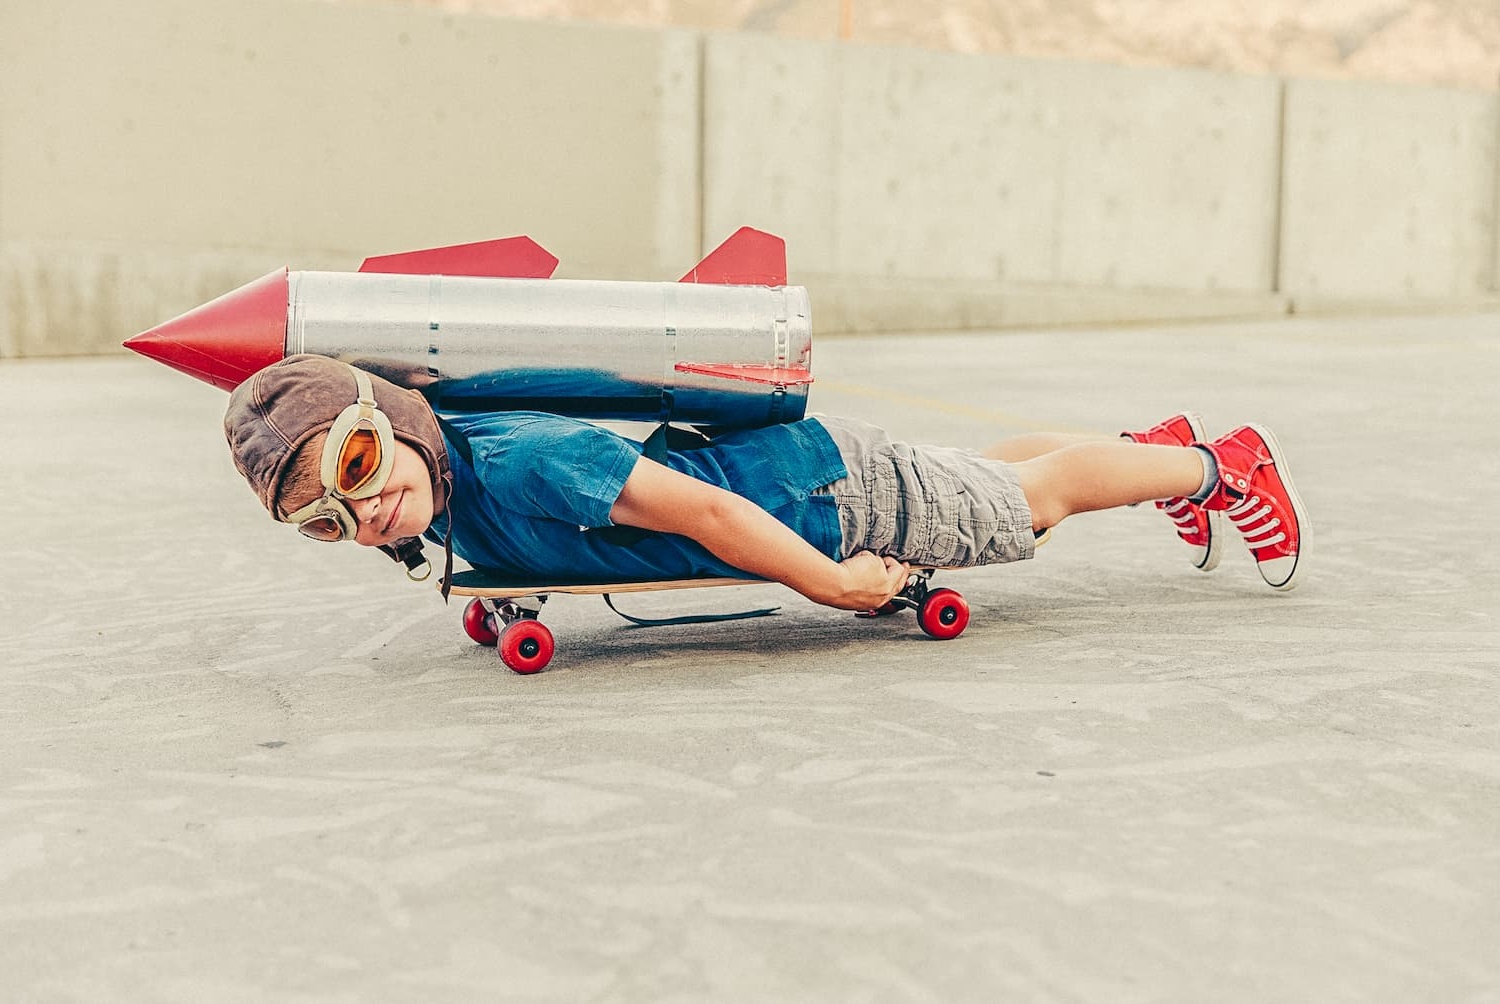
(600, 350)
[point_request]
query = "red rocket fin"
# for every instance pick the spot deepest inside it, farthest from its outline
(508, 258)
(785, 376)
(748, 258)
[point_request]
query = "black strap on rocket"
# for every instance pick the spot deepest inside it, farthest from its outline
(664, 439)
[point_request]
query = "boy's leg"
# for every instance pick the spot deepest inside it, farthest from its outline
(1103, 474)
(1251, 487)
(1199, 528)
(1193, 524)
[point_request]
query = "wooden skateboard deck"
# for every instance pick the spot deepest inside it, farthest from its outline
(476, 583)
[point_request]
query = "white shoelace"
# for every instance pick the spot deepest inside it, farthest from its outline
(1249, 517)
(1180, 512)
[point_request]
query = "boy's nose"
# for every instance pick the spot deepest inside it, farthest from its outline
(365, 510)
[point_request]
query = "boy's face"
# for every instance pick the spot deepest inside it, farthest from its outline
(402, 509)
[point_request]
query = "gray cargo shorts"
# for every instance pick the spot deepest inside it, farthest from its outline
(928, 505)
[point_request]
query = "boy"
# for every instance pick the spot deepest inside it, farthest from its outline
(830, 507)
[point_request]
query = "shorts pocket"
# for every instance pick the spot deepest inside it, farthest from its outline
(927, 497)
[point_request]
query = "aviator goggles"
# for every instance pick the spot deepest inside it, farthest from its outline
(357, 460)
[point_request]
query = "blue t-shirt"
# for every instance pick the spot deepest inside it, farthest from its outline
(537, 485)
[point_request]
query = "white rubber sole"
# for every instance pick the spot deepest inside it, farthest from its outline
(1272, 571)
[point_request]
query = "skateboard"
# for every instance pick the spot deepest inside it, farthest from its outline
(504, 612)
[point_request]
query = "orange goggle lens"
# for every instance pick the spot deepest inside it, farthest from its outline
(359, 459)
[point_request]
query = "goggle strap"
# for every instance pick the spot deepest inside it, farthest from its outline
(326, 507)
(365, 391)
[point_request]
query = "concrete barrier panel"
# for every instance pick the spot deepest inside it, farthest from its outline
(884, 162)
(1389, 192)
(285, 129)
(1169, 179)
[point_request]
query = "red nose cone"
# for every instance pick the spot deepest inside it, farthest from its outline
(226, 340)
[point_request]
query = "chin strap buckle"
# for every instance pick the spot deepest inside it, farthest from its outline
(408, 551)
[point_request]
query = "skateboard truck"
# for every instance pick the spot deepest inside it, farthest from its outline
(525, 644)
(941, 613)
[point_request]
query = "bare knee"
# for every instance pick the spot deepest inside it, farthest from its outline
(1045, 518)
(1048, 508)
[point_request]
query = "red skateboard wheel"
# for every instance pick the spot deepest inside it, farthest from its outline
(526, 646)
(944, 614)
(479, 624)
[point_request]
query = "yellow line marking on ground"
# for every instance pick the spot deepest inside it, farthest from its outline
(994, 416)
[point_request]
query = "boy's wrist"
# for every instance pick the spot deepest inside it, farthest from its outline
(864, 581)
(822, 582)
(833, 585)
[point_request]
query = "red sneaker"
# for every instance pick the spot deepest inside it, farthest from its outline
(1255, 492)
(1199, 528)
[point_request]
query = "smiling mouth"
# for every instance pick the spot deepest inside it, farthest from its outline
(395, 514)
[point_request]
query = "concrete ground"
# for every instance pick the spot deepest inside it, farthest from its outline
(237, 766)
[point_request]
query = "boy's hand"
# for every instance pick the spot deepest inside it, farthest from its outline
(870, 581)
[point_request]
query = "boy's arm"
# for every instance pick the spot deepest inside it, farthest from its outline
(740, 533)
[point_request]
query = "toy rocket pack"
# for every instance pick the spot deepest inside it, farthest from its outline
(483, 327)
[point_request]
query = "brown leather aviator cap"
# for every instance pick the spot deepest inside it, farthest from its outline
(284, 405)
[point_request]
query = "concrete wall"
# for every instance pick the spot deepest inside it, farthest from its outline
(901, 172)
(151, 152)
(154, 154)
(1389, 192)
